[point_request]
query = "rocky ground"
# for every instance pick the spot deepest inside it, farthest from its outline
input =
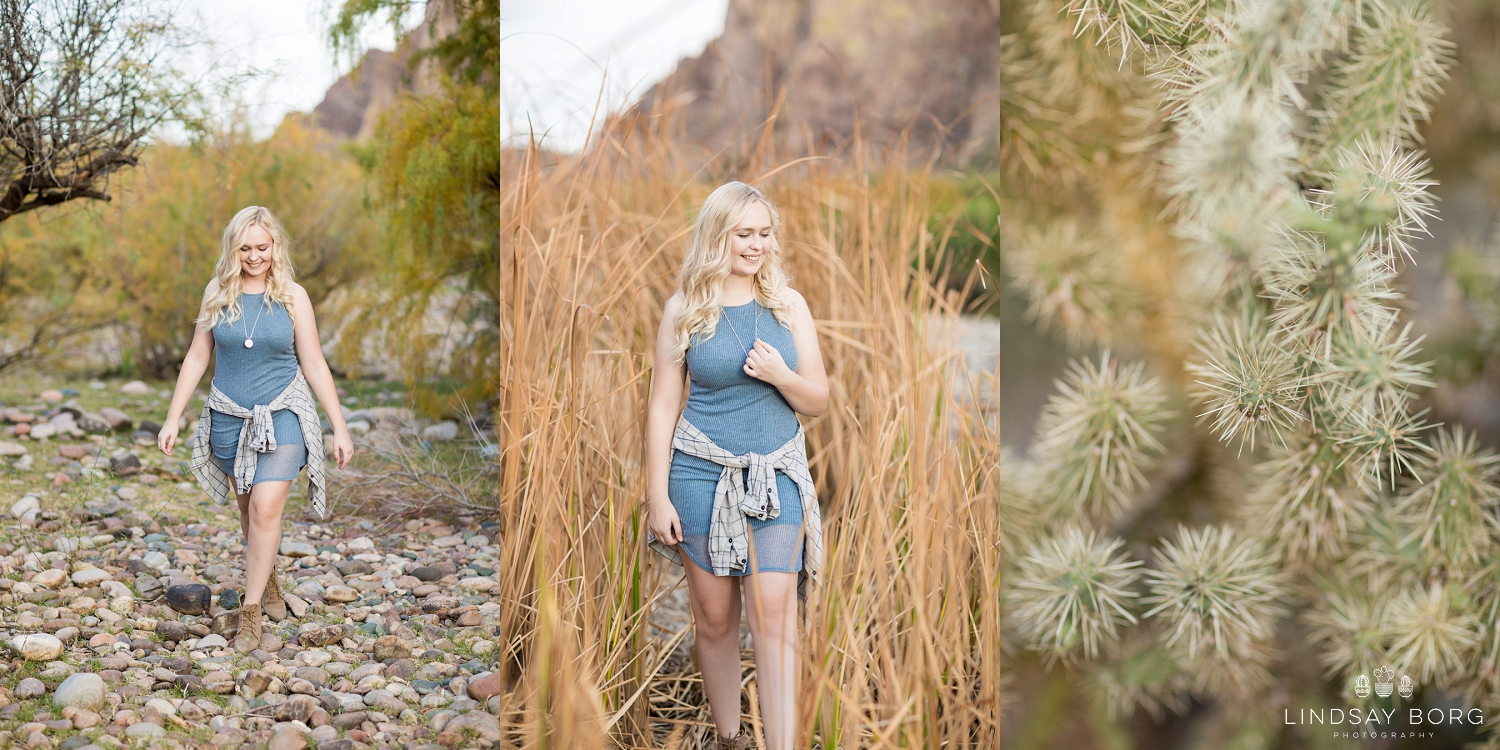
(119, 583)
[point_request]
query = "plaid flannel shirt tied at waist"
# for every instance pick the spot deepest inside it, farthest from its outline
(737, 496)
(258, 435)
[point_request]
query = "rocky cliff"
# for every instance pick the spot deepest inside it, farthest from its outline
(927, 65)
(353, 104)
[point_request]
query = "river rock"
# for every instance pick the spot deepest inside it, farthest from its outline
(226, 621)
(144, 730)
(50, 578)
(172, 630)
(94, 423)
(287, 737)
(322, 636)
(37, 646)
(441, 432)
(30, 688)
(257, 680)
(480, 722)
(84, 690)
(297, 708)
(8, 448)
(127, 466)
(118, 420)
(91, 576)
(213, 640)
(136, 388)
(190, 598)
(340, 594)
(484, 686)
(297, 549)
(25, 505)
(391, 647)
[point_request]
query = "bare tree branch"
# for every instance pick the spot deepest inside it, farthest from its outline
(82, 84)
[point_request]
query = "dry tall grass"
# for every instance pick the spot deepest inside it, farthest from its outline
(903, 640)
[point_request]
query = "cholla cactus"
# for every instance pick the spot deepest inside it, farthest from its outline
(1099, 437)
(1435, 636)
(1271, 148)
(1072, 591)
(1452, 513)
(1214, 587)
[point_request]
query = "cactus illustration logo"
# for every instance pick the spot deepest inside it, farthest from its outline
(1383, 676)
(1383, 684)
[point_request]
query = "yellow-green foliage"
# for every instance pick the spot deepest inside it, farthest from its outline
(141, 262)
(436, 165)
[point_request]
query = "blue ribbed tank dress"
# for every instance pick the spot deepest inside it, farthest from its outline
(254, 376)
(742, 415)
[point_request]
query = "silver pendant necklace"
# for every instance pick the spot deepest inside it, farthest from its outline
(758, 308)
(250, 337)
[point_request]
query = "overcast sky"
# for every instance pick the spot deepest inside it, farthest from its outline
(554, 55)
(287, 39)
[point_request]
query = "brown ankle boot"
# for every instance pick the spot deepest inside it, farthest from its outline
(273, 604)
(248, 639)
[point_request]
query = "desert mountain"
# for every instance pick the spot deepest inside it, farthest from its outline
(352, 106)
(931, 65)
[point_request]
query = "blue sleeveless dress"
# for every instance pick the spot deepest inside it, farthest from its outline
(254, 376)
(741, 415)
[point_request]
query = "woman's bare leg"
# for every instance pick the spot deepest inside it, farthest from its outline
(244, 501)
(771, 602)
(715, 602)
(263, 529)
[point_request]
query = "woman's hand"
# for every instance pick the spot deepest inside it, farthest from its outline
(765, 363)
(343, 447)
(664, 523)
(167, 438)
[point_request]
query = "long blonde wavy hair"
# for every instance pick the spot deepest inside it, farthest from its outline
(224, 305)
(707, 264)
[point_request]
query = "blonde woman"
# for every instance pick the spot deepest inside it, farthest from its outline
(727, 477)
(259, 425)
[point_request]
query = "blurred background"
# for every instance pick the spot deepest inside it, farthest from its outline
(871, 126)
(1153, 274)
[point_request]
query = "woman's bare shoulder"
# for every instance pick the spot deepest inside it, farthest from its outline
(798, 302)
(674, 305)
(213, 286)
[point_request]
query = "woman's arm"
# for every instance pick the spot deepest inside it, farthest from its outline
(193, 367)
(315, 368)
(661, 418)
(806, 390)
